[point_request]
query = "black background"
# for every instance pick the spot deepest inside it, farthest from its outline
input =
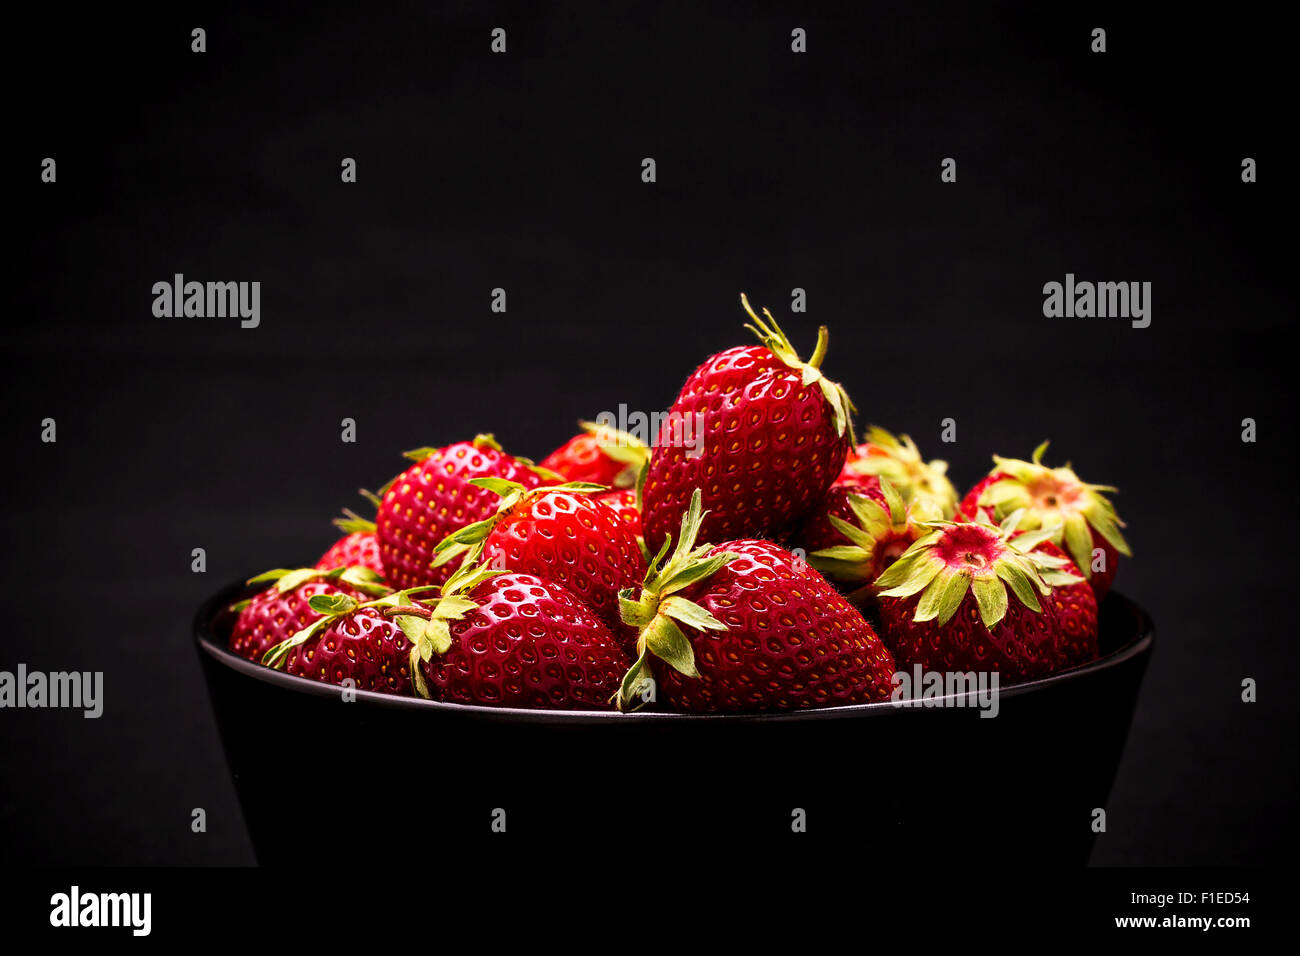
(775, 171)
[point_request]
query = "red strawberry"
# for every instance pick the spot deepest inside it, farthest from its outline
(435, 497)
(355, 642)
(923, 485)
(560, 534)
(283, 609)
(600, 455)
(359, 549)
(748, 626)
(1076, 605)
(759, 432)
(944, 604)
(515, 640)
(856, 532)
(624, 503)
(1085, 520)
(372, 644)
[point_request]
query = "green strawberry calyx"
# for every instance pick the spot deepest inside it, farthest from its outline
(426, 624)
(352, 523)
(284, 580)
(921, 483)
(423, 622)
(778, 343)
(658, 610)
(873, 525)
(987, 559)
(620, 446)
(469, 540)
(1056, 497)
(329, 606)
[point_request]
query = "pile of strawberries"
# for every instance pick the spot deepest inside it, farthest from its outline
(772, 563)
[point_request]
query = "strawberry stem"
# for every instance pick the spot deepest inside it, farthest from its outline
(413, 610)
(819, 352)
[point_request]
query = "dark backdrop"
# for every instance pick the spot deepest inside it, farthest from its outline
(775, 171)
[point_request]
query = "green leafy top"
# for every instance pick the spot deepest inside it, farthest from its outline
(1055, 496)
(469, 539)
(658, 610)
(285, 579)
(1004, 562)
(622, 447)
(874, 523)
(776, 341)
(330, 606)
(425, 623)
(922, 484)
(351, 522)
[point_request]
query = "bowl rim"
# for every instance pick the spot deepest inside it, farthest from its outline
(208, 611)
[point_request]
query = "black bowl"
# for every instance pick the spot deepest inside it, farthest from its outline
(318, 776)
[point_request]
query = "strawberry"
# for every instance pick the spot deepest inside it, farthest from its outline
(1075, 604)
(559, 534)
(856, 532)
(370, 644)
(1085, 520)
(759, 432)
(516, 640)
(599, 454)
(348, 642)
(923, 485)
(356, 549)
(623, 502)
(435, 497)
(745, 626)
(944, 604)
(284, 608)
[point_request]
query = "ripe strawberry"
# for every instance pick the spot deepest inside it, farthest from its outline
(600, 454)
(512, 640)
(1076, 605)
(944, 603)
(350, 641)
(623, 502)
(923, 485)
(856, 532)
(746, 625)
(1085, 520)
(759, 432)
(435, 497)
(283, 609)
(560, 534)
(370, 644)
(357, 549)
